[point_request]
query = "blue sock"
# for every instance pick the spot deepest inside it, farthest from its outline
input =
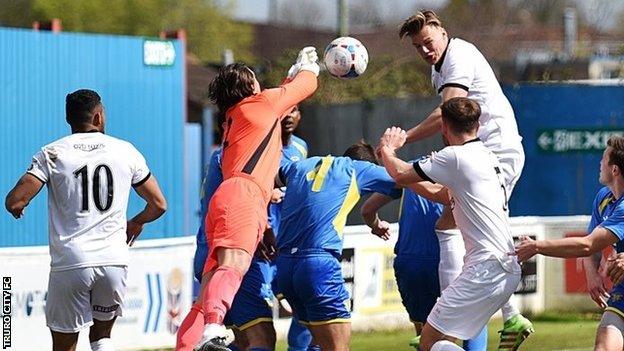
(314, 348)
(478, 343)
(299, 337)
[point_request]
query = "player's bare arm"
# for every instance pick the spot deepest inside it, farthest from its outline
(433, 123)
(431, 191)
(155, 206)
(583, 246)
(370, 215)
(595, 281)
(402, 172)
(19, 197)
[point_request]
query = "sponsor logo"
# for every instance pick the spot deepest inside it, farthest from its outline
(105, 309)
(88, 147)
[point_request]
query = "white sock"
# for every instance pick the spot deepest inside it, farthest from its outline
(104, 344)
(509, 310)
(452, 251)
(445, 345)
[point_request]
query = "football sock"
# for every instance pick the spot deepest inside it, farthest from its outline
(299, 337)
(452, 253)
(191, 329)
(479, 342)
(219, 293)
(445, 345)
(104, 344)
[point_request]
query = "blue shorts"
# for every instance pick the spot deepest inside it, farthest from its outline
(419, 285)
(253, 302)
(313, 286)
(616, 301)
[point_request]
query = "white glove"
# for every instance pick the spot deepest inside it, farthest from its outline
(306, 61)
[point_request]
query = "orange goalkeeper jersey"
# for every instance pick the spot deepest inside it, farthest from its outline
(252, 131)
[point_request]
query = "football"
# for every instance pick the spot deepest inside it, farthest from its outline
(345, 58)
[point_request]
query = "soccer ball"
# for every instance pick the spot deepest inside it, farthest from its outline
(345, 58)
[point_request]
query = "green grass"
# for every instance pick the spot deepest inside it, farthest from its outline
(554, 331)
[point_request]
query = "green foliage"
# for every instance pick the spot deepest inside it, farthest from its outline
(384, 77)
(208, 26)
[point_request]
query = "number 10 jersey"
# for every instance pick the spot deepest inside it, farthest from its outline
(88, 176)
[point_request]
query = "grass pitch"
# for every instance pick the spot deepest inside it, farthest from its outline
(553, 331)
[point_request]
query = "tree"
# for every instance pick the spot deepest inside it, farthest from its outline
(384, 77)
(208, 26)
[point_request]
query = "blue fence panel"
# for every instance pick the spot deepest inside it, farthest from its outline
(144, 105)
(564, 127)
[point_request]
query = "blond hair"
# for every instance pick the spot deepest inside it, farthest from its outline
(417, 22)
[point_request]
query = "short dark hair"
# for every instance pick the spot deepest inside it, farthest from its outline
(461, 114)
(616, 156)
(418, 21)
(232, 84)
(80, 106)
(361, 151)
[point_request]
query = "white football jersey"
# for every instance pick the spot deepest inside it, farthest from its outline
(472, 174)
(89, 176)
(463, 66)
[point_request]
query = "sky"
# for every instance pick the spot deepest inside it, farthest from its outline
(258, 10)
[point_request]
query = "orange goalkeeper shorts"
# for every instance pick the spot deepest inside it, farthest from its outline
(237, 218)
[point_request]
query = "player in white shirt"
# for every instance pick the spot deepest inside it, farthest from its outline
(458, 69)
(89, 176)
(473, 175)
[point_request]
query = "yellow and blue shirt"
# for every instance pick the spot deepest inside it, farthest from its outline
(321, 191)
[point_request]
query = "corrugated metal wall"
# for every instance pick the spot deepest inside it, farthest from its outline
(331, 129)
(561, 183)
(145, 105)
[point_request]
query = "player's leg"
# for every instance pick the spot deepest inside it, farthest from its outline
(237, 219)
(452, 249)
(68, 309)
(240, 340)
(609, 334)
(319, 284)
(433, 339)
(251, 312)
(191, 327)
(64, 341)
(299, 336)
(419, 287)
(479, 342)
(261, 336)
(465, 306)
(100, 333)
(332, 336)
(107, 294)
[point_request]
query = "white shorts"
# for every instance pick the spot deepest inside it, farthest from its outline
(511, 167)
(77, 296)
(612, 320)
(467, 305)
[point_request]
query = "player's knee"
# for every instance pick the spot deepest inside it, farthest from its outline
(236, 258)
(261, 335)
(100, 329)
